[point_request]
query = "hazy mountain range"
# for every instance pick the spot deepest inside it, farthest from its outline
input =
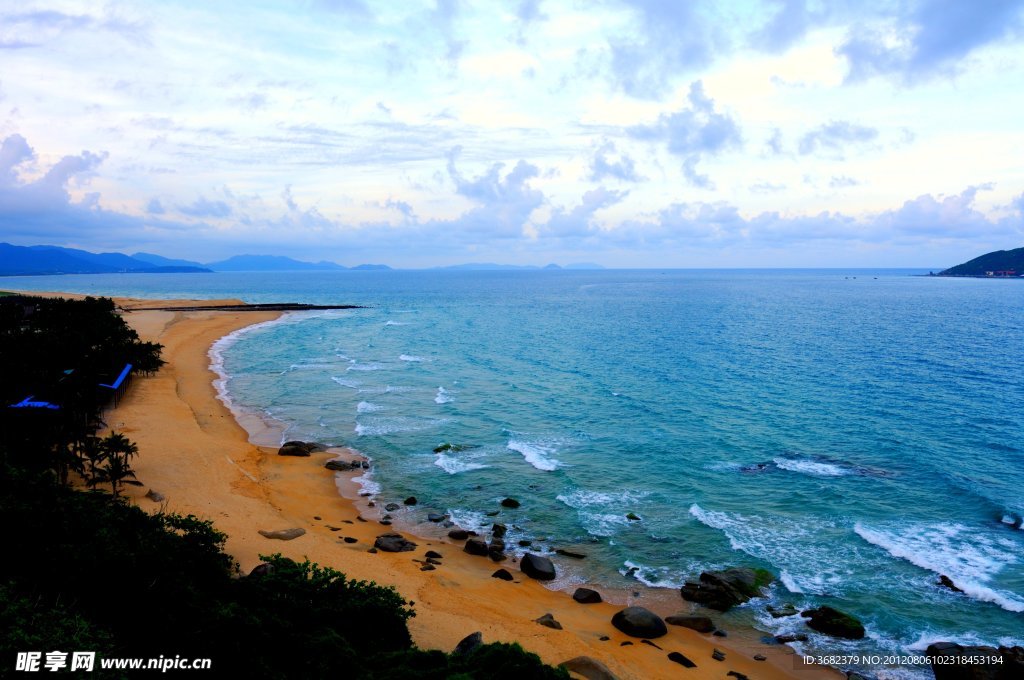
(38, 260)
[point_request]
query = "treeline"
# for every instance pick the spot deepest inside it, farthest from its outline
(84, 570)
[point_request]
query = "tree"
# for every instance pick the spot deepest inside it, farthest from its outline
(117, 451)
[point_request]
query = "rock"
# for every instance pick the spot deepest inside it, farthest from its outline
(786, 639)
(537, 567)
(650, 644)
(475, 546)
(391, 507)
(785, 610)
(701, 624)
(589, 668)
(626, 643)
(468, 644)
(433, 553)
(639, 622)
(720, 633)
(604, 638)
(436, 517)
(944, 581)
(296, 448)
(722, 590)
(525, 543)
(738, 676)
(317, 517)
(499, 530)
(569, 553)
(155, 496)
(496, 555)
(283, 534)
(433, 560)
(411, 500)
(338, 465)
(385, 522)
(349, 539)
(549, 621)
(458, 534)
(1008, 662)
(834, 622)
(394, 543)
(496, 544)
(503, 574)
(760, 657)
(510, 503)
(632, 517)
(681, 660)
(586, 596)
(262, 569)
(492, 513)
(718, 655)
(428, 567)
(372, 550)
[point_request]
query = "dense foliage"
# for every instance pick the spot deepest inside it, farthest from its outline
(88, 571)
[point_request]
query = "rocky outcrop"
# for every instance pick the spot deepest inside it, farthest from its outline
(950, 661)
(503, 574)
(947, 582)
(785, 610)
(639, 622)
(411, 500)
(834, 622)
(723, 590)
(701, 624)
(537, 567)
(468, 644)
(261, 570)
(297, 448)
(549, 621)
(394, 543)
(155, 496)
(587, 596)
(458, 534)
(283, 534)
(475, 546)
(510, 503)
(589, 668)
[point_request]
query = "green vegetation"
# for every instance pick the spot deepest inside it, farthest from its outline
(999, 263)
(88, 571)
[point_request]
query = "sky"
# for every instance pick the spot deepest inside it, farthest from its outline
(628, 133)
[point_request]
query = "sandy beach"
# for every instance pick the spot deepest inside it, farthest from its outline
(194, 453)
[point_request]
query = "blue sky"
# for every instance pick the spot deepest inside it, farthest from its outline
(625, 132)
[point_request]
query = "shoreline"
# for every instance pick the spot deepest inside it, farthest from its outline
(196, 453)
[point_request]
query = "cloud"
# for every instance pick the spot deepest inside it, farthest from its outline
(787, 25)
(34, 28)
(928, 38)
(203, 207)
(155, 207)
(578, 222)
(607, 162)
(835, 135)
(693, 133)
(670, 38)
(504, 203)
(842, 182)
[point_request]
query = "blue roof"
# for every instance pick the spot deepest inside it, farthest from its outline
(28, 403)
(120, 378)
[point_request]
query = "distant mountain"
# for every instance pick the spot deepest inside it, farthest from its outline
(37, 260)
(553, 267)
(161, 261)
(583, 265)
(371, 267)
(1001, 263)
(270, 263)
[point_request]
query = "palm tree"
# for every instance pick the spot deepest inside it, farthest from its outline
(118, 449)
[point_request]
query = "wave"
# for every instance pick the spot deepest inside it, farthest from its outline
(967, 557)
(809, 467)
(216, 356)
(364, 367)
(411, 358)
(654, 577)
(602, 513)
(536, 454)
(367, 407)
(453, 465)
(396, 323)
(442, 396)
(351, 384)
(384, 426)
(366, 484)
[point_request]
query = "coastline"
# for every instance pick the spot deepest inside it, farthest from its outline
(194, 451)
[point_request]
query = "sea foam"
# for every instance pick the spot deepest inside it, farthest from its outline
(810, 467)
(442, 396)
(537, 454)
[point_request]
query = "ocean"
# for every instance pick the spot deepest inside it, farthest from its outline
(858, 433)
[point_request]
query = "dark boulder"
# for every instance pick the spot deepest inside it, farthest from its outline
(785, 610)
(833, 622)
(468, 644)
(458, 534)
(537, 567)
(569, 553)
(337, 465)
(586, 596)
(411, 500)
(262, 569)
(950, 662)
(499, 530)
(503, 574)
(947, 582)
(639, 622)
(436, 517)
(510, 503)
(786, 639)
(475, 546)
(723, 590)
(394, 543)
(549, 621)
(391, 507)
(433, 554)
(632, 517)
(297, 448)
(718, 655)
(681, 660)
(701, 624)
(589, 668)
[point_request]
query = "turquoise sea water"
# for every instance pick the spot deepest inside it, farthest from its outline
(858, 433)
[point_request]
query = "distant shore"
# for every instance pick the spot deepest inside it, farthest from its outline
(195, 454)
